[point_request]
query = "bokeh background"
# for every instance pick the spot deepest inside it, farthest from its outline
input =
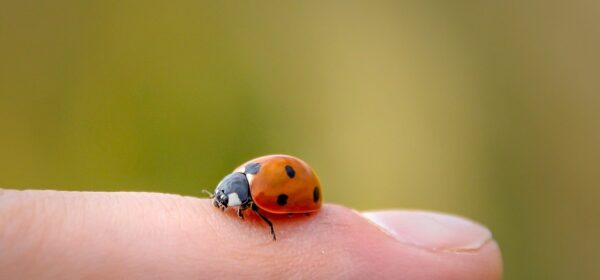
(487, 109)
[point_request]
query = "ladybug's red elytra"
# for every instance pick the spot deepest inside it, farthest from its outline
(277, 184)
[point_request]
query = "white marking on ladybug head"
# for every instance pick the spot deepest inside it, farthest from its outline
(233, 200)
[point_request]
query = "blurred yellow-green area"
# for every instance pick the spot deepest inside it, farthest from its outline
(487, 109)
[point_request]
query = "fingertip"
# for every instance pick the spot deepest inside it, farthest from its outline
(432, 231)
(429, 245)
(341, 241)
(147, 235)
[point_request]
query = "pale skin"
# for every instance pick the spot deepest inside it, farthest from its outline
(76, 235)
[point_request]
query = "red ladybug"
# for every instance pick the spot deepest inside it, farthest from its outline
(277, 184)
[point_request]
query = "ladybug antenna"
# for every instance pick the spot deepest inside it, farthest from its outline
(210, 195)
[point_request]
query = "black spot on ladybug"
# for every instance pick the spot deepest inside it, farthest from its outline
(282, 199)
(290, 171)
(316, 194)
(252, 168)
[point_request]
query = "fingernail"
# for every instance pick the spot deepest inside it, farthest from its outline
(432, 231)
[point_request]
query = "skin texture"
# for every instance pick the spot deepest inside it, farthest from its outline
(76, 235)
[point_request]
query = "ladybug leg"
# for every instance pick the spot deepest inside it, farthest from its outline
(255, 209)
(239, 213)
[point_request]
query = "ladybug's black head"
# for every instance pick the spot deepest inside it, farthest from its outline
(233, 190)
(222, 199)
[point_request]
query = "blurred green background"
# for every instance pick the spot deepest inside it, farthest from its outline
(484, 109)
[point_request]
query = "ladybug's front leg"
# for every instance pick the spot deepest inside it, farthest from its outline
(240, 214)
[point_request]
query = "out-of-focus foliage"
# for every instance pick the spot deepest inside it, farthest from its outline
(489, 110)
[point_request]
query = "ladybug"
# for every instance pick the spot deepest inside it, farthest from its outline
(275, 184)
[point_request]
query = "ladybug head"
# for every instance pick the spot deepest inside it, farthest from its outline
(221, 199)
(233, 190)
